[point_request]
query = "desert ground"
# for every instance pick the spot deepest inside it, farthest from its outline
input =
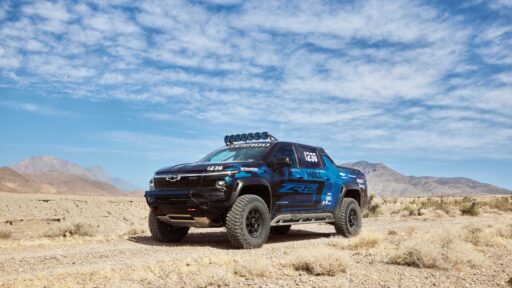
(97, 241)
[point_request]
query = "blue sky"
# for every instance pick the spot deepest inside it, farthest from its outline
(424, 87)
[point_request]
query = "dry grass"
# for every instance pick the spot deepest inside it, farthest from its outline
(76, 229)
(134, 231)
(437, 250)
(509, 282)
(213, 278)
(324, 262)
(484, 236)
(255, 268)
(501, 203)
(365, 241)
(373, 208)
(5, 234)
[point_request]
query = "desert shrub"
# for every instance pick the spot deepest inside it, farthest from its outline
(76, 229)
(440, 204)
(325, 262)
(212, 278)
(506, 232)
(364, 242)
(469, 207)
(256, 268)
(392, 233)
(479, 236)
(437, 250)
(373, 208)
(134, 231)
(501, 203)
(5, 234)
(411, 210)
(509, 282)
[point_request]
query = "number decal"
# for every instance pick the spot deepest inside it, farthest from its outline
(310, 157)
(214, 168)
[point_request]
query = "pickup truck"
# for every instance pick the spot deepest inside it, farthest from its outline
(255, 186)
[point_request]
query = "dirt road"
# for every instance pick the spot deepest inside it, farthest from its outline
(205, 258)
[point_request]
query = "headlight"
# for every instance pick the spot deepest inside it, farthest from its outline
(221, 184)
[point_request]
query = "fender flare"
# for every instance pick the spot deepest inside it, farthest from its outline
(351, 186)
(240, 184)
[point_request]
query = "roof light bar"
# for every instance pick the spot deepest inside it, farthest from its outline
(230, 139)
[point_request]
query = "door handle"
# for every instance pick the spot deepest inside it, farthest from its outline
(327, 178)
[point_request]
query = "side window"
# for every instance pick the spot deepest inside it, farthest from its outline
(287, 151)
(309, 158)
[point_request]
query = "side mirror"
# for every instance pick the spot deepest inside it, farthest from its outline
(279, 162)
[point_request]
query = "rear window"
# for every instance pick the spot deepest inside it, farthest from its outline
(309, 158)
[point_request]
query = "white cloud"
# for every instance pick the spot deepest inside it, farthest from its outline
(32, 107)
(402, 72)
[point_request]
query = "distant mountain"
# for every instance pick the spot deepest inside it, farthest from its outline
(387, 182)
(49, 164)
(12, 181)
(52, 183)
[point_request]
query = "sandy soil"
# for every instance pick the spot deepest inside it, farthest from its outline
(119, 252)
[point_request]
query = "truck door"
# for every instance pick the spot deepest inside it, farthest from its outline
(316, 176)
(288, 181)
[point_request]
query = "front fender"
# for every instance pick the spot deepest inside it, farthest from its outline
(240, 184)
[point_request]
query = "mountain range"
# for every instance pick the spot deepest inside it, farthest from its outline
(47, 174)
(386, 182)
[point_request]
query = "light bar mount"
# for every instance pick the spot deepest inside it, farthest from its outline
(246, 137)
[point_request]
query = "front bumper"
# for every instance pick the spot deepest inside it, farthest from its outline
(199, 207)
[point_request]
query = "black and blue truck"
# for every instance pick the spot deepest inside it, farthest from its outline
(254, 186)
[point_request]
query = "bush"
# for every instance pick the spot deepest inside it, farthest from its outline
(372, 209)
(469, 207)
(256, 268)
(483, 236)
(5, 234)
(325, 262)
(501, 203)
(134, 232)
(364, 242)
(77, 229)
(438, 250)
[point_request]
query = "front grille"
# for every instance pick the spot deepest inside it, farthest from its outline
(165, 183)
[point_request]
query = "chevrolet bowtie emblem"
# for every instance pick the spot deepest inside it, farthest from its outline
(173, 178)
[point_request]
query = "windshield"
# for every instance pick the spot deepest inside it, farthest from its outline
(236, 154)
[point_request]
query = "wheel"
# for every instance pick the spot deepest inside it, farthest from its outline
(347, 218)
(163, 232)
(280, 230)
(248, 222)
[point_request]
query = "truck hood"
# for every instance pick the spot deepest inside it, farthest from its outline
(206, 167)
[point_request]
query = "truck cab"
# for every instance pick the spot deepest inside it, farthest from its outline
(256, 185)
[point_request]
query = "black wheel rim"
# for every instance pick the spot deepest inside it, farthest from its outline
(253, 222)
(352, 218)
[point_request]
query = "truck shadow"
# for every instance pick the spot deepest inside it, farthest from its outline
(219, 240)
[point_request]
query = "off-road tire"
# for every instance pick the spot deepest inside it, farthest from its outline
(237, 222)
(163, 232)
(280, 230)
(346, 213)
